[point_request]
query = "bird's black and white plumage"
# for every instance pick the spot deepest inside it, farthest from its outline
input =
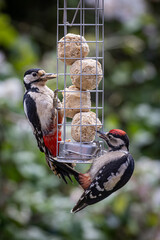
(40, 107)
(109, 172)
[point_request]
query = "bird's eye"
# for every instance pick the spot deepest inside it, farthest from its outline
(34, 74)
(110, 136)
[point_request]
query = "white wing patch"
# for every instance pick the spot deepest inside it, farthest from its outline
(113, 179)
(91, 196)
(99, 188)
(25, 108)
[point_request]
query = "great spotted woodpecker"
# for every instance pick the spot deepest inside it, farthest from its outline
(41, 107)
(109, 172)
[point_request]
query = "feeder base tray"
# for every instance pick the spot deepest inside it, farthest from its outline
(75, 152)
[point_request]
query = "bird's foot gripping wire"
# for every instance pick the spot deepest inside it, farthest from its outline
(56, 93)
(56, 101)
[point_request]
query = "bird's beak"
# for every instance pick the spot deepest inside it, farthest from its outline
(47, 76)
(102, 134)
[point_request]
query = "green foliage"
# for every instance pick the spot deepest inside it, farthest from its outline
(22, 52)
(35, 204)
(8, 32)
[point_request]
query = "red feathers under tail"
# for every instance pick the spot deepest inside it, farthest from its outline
(50, 142)
(84, 180)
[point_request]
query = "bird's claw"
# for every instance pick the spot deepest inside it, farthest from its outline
(58, 109)
(55, 99)
(56, 93)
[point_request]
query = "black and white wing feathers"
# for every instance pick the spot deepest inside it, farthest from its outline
(109, 179)
(32, 116)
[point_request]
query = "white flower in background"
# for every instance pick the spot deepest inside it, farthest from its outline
(6, 69)
(11, 90)
(2, 58)
(122, 10)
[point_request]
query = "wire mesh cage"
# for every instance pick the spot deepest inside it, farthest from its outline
(80, 67)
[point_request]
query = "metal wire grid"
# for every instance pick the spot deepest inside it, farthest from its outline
(72, 28)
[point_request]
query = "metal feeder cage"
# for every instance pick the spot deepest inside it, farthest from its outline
(88, 22)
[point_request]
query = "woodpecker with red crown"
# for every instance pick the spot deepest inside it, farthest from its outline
(42, 109)
(109, 172)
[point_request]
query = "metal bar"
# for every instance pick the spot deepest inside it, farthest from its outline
(96, 32)
(84, 142)
(78, 24)
(103, 63)
(80, 125)
(79, 74)
(85, 75)
(83, 91)
(82, 42)
(81, 77)
(83, 8)
(65, 66)
(74, 17)
(57, 65)
(80, 58)
(83, 108)
(69, 160)
(65, 17)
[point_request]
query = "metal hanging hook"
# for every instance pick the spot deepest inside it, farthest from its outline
(65, 22)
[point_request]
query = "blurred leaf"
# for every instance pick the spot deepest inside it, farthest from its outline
(7, 34)
(120, 204)
(23, 53)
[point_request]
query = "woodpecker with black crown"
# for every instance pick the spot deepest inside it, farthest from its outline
(109, 172)
(42, 107)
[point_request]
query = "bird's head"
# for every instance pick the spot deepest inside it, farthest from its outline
(36, 77)
(116, 139)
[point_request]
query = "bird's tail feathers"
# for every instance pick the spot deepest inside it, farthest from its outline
(80, 205)
(62, 169)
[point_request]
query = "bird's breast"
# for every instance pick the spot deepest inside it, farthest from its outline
(44, 107)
